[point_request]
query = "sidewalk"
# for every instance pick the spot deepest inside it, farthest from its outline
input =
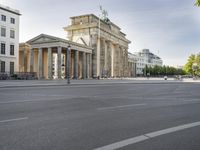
(33, 83)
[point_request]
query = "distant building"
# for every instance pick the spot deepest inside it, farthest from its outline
(132, 65)
(9, 39)
(145, 57)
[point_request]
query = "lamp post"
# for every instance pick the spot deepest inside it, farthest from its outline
(68, 63)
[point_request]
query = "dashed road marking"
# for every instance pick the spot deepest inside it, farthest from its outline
(16, 119)
(122, 106)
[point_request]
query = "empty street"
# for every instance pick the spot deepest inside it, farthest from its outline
(125, 116)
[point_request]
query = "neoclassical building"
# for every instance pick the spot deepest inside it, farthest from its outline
(49, 56)
(95, 48)
(110, 46)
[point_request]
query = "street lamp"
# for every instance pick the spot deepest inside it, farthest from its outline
(68, 63)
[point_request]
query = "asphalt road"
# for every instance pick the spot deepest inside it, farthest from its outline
(91, 117)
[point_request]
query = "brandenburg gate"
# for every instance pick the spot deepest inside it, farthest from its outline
(110, 46)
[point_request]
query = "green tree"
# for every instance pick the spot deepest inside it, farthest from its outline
(164, 70)
(188, 65)
(197, 3)
(197, 60)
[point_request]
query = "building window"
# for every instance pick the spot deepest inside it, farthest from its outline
(12, 50)
(3, 48)
(12, 20)
(12, 34)
(3, 31)
(3, 18)
(3, 66)
(11, 67)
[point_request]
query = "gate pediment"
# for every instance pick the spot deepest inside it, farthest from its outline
(42, 38)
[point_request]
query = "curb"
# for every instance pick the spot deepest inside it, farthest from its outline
(78, 84)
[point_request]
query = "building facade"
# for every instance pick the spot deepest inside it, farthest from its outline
(9, 39)
(143, 58)
(131, 65)
(110, 46)
(55, 58)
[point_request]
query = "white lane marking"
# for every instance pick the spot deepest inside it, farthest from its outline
(123, 143)
(24, 101)
(122, 106)
(191, 100)
(173, 129)
(147, 136)
(16, 119)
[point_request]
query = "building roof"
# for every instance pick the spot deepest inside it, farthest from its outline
(8, 9)
(44, 40)
(86, 15)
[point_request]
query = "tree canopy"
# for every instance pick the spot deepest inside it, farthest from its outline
(197, 3)
(162, 70)
(193, 64)
(190, 62)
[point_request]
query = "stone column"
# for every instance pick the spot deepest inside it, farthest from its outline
(76, 60)
(22, 67)
(65, 62)
(99, 57)
(72, 63)
(125, 62)
(25, 61)
(93, 43)
(40, 63)
(49, 63)
(112, 59)
(90, 64)
(59, 51)
(68, 64)
(32, 60)
(87, 66)
(102, 66)
(106, 58)
(117, 61)
(121, 60)
(84, 65)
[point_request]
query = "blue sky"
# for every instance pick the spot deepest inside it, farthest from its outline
(169, 28)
